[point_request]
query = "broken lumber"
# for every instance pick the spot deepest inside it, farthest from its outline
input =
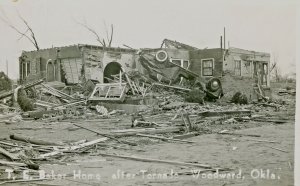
(186, 121)
(72, 148)
(169, 86)
(148, 131)
(32, 140)
(164, 138)
(56, 92)
(238, 134)
(270, 120)
(29, 85)
(227, 112)
(184, 136)
(2, 162)
(60, 107)
(8, 154)
(130, 83)
(106, 135)
(157, 160)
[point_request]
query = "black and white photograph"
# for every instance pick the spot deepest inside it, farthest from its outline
(149, 92)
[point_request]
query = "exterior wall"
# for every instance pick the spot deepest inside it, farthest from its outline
(178, 54)
(38, 61)
(96, 59)
(250, 61)
(172, 53)
(79, 63)
(72, 64)
(197, 56)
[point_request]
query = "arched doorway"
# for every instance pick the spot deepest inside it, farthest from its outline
(111, 68)
(50, 71)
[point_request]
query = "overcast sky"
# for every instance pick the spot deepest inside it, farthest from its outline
(263, 25)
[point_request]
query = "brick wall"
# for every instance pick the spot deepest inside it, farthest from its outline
(215, 53)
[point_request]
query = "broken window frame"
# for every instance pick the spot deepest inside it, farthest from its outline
(174, 60)
(212, 60)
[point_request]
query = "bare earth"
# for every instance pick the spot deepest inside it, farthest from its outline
(260, 163)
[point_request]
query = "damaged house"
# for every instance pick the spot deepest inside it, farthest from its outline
(75, 64)
(170, 63)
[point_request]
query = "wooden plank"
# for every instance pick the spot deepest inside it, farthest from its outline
(163, 138)
(32, 140)
(2, 162)
(238, 134)
(106, 135)
(8, 154)
(72, 148)
(173, 87)
(155, 131)
(184, 136)
(227, 112)
(157, 160)
(129, 82)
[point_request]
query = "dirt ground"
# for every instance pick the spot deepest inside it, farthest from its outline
(250, 162)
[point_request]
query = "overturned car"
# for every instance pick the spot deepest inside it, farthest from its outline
(158, 66)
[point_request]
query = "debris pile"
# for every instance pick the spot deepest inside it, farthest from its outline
(131, 110)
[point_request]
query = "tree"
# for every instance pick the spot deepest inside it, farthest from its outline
(109, 36)
(275, 69)
(29, 36)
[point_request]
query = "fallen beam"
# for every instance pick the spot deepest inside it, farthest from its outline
(163, 138)
(29, 85)
(227, 112)
(173, 87)
(8, 154)
(32, 140)
(157, 160)
(2, 162)
(271, 120)
(72, 148)
(236, 134)
(184, 136)
(106, 135)
(154, 131)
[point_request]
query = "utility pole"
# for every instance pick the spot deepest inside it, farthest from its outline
(224, 39)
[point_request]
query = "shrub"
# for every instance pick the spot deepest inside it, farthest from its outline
(24, 102)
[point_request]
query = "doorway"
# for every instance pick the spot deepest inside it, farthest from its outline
(111, 68)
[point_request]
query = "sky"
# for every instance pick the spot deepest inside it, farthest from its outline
(261, 25)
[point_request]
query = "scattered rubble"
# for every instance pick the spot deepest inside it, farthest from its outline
(173, 114)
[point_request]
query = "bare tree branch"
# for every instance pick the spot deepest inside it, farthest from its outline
(21, 33)
(111, 35)
(93, 32)
(273, 66)
(31, 31)
(106, 31)
(105, 42)
(31, 38)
